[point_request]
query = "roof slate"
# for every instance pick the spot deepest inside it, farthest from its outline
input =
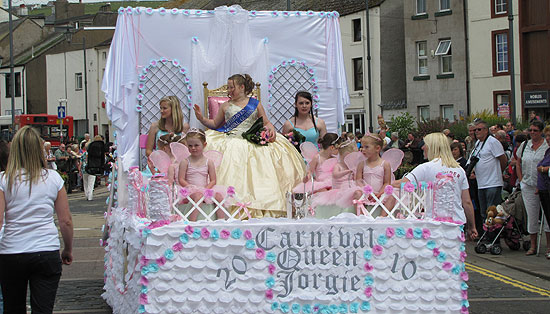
(344, 7)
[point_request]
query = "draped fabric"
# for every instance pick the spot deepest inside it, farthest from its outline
(213, 45)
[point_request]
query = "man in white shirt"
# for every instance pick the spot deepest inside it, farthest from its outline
(489, 168)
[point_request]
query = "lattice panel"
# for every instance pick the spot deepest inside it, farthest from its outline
(161, 78)
(284, 84)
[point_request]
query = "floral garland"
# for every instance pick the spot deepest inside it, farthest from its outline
(232, 11)
(294, 63)
(153, 64)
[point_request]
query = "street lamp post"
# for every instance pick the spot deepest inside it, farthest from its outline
(68, 37)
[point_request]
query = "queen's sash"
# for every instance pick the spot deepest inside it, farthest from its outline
(240, 116)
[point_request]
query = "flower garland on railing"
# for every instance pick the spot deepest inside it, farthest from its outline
(294, 63)
(153, 64)
(231, 11)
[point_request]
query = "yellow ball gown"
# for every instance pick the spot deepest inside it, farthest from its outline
(261, 175)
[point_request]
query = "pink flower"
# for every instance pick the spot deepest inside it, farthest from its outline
(390, 232)
(388, 190)
(464, 276)
(184, 192)
(464, 310)
(161, 260)
(188, 229)
(248, 234)
(368, 267)
(205, 234)
(409, 187)
(462, 238)
(426, 233)
(143, 281)
(208, 193)
(260, 253)
(464, 294)
(367, 189)
(143, 260)
(230, 191)
(436, 252)
(269, 294)
(377, 250)
(262, 142)
(177, 247)
(463, 256)
(271, 269)
(368, 292)
(143, 299)
(224, 234)
(447, 266)
(409, 234)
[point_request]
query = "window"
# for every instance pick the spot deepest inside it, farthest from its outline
(500, 7)
(447, 113)
(501, 103)
(422, 52)
(357, 73)
(17, 84)
(356, 30)
(420, 7)
(444, 5)
(444, 53)
(78, 81)
(500, 52)
(104, 55)
(355, 122)
(424, 113)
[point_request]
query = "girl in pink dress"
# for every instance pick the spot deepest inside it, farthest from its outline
(373, 171)
(320, 167)
(197, 173)
(343, 181)
(168, 156)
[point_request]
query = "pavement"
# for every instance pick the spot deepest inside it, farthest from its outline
(506, 283)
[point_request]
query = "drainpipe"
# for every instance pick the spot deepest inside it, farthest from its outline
(369, 91)
(512, 67)
(466, 43)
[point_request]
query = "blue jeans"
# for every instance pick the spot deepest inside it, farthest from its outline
(489, 197)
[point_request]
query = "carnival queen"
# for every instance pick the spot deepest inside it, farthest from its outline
(261, 174)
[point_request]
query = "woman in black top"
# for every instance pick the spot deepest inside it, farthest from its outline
(458, 154)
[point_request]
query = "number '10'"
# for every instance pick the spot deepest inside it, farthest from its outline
(407, 271)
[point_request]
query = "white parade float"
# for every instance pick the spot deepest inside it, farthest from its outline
(156, 261)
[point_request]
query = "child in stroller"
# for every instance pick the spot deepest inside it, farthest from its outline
(499, 223)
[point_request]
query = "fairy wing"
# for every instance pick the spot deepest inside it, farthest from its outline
(215, 156)
(328, 165)
(179, 151)
(352, 160)
(161, 160)
(309, 151)
(394, 156)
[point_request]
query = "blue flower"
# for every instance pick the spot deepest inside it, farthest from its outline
(368, 255)
(365, 306)
(250, 244)
(343, 308)
(284, 307)
(274, 306)
(463, 247)
(306, 309)
(146, 232)
(141, 308)
(270, 257)
(369, 281)
(153, 267)
(215, 234)
(169, 254)
(270, 282)
(456, 270)
(184, 238)
(417, 233)
(382, 239)
(196, 233)
(465, 303)
(236, 233)
(400, 232)
(354, 307)
(441, 257)
(431, 244)
(463, 286)
(295, 308)
(333, 308)
(144, 270)
(144, 289)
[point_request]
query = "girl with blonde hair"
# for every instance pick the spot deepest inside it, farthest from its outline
(441, 163)
(29, 250)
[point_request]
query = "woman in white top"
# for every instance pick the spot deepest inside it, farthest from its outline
(29, 250)
(437, 150)
(526, 168)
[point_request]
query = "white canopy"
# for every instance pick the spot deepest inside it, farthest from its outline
(210, 46)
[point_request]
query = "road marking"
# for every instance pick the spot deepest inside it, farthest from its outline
(81, 229)
(507, 280)
(506, 299)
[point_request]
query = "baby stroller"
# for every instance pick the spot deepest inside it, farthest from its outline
(499, 224)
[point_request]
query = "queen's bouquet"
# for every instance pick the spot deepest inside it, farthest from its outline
(257, 133)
